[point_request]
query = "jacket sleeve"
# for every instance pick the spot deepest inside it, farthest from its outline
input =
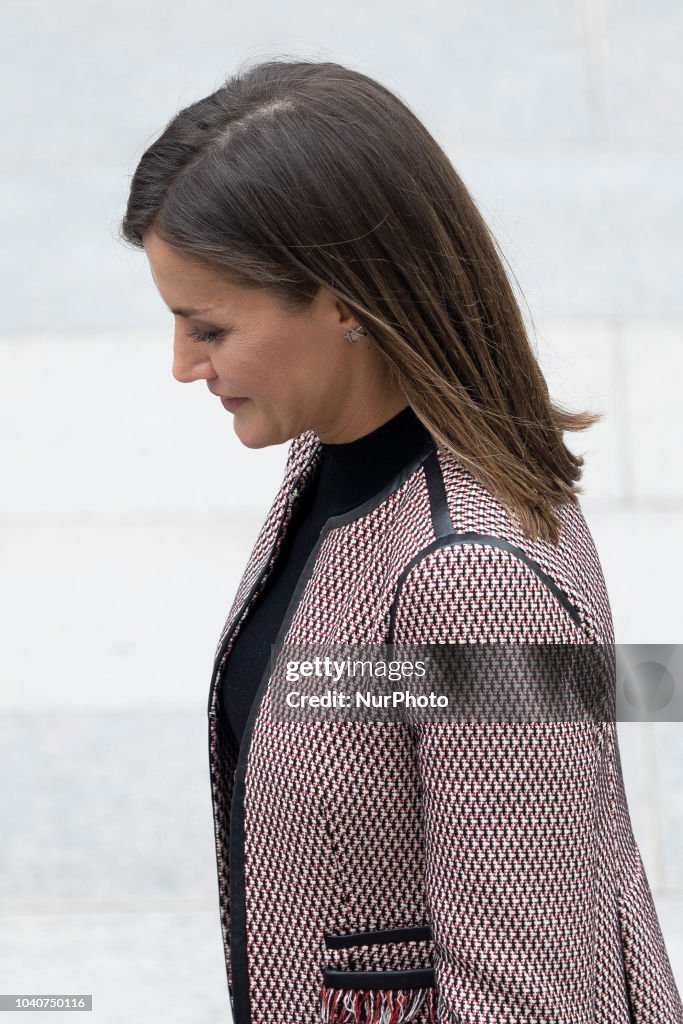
(509, 808)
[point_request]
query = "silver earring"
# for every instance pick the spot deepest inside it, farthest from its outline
(355, 330)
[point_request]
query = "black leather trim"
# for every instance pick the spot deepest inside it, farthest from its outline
(414, 933)
(396, 481)
(290, 496)
(241, 1003)
(479, 538)
(438, 499)
(418, 977)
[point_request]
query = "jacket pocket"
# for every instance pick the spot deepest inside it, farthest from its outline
(383, 975)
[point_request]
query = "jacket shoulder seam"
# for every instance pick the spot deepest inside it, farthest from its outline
(455, 539)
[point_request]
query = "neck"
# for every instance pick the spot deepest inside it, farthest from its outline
(355, 470)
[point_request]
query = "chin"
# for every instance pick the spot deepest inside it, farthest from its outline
(249, 442)
(251, 436)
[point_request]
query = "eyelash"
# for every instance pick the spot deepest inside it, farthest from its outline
(209, 336)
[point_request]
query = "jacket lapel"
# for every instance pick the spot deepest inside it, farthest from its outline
(302, 454)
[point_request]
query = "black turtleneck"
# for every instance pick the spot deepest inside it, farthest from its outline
(349, 474)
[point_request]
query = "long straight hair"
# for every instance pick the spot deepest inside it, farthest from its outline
(299, 173)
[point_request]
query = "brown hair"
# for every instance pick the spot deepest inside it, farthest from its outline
(298, 173)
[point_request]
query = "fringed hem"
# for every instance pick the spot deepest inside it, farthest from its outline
(376, 1006)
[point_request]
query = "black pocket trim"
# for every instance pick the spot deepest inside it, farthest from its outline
(415, 933)
(418, 977)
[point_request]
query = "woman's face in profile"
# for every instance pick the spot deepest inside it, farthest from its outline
(295, 371)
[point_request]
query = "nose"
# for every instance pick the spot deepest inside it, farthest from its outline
(190, 361)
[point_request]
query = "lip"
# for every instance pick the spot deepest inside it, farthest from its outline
(232, 403)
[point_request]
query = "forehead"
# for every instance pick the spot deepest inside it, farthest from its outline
(170, 266)
(182, 283)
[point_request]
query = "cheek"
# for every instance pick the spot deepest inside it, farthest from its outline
(274, 360)
(233, 359)
(243, 369)
(277, 361)
(307, 357)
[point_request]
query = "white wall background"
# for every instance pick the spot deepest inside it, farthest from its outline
(129, 506)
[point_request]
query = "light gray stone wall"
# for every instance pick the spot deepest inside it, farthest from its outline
(129, 505)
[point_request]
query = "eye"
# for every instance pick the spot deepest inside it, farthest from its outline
(199, 335)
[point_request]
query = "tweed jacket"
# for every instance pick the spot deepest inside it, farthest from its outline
(442, 873)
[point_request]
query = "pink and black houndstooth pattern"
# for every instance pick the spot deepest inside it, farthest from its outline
(432, 872)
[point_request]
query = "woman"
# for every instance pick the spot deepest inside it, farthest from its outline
(335, 286)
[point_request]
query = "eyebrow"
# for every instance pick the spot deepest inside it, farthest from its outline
(178, 311)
